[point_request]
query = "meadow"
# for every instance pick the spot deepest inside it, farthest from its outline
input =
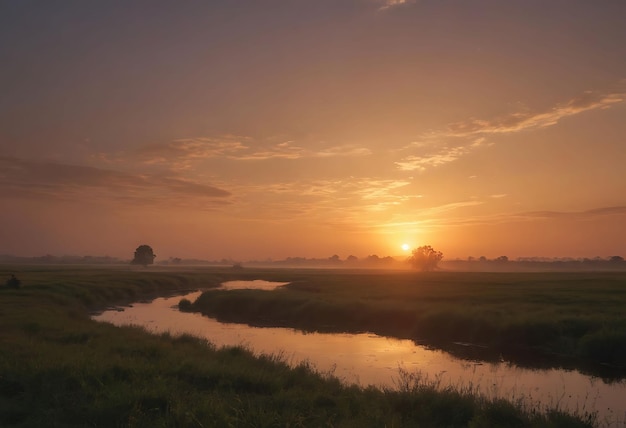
(543, 319)
(60, 368)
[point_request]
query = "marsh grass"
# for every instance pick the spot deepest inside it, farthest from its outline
(60, 368)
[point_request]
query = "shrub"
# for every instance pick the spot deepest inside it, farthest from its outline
(13, 282)
(184, 305)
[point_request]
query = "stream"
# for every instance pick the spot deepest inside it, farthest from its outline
(368, 359)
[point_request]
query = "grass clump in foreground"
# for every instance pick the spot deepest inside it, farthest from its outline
(60, 368)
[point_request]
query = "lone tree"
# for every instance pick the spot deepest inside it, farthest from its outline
(143, 256)
(425, 258)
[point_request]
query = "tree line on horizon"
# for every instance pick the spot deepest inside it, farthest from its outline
(422, 258)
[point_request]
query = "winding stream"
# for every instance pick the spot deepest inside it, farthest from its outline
(369, 359)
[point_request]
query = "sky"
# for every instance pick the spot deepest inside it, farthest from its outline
(307, 128)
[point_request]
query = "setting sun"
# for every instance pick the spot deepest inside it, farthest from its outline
(405, 247)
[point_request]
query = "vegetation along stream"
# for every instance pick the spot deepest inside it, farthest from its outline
(371, 359)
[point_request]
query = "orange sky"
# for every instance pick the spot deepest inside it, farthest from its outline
(278, 128)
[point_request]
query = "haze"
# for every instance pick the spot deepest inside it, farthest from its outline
(313, 127)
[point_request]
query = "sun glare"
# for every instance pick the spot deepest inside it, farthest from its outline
(405, 247)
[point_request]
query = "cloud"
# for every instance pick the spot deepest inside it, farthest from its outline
(433, 217)
(346, 150)
(421, 163)
(363, 188)
(185, 150)
(471, 134)
(577, 215)
(522, 121)
(21, 178)
(417, 221)
(181, 154)
(284, 150)
(591, 214)
(317, 200)
(289, 150)
(386, 4)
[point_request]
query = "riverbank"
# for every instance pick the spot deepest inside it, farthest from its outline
(60, 368)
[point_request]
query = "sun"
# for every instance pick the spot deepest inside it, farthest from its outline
(405, 247)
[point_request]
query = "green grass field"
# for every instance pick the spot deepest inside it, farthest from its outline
(60, 368)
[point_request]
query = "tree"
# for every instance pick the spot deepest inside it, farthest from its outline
(334, 259)
(143, 256)
(425, 258)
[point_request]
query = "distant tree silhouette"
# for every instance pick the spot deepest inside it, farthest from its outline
(425, 258)
(502, 259)
(143, 256)
(616, 259)
(334, 259)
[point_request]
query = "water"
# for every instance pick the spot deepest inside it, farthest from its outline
(257, 284)
(369, 359)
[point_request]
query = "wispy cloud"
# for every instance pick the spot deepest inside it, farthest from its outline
(522, 121)
(501, 218)
(345, 150)
(463, 137)
(362, 188)
(576, 215)
(422, 162)
(21, 178)
(185, 150)
(386, 4)
(182, 153)
(284, 150)
(319, 200)
(419, 220)
(291, 150)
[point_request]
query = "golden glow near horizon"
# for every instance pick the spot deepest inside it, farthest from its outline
(349, 132)
(405, 247)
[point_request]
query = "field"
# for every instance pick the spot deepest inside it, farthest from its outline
(534, 319)
(60, 368)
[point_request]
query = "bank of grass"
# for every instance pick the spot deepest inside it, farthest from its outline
(60, 368)
(553, 318)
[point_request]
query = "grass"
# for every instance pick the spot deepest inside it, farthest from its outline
(550, 319)
(60, 368)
